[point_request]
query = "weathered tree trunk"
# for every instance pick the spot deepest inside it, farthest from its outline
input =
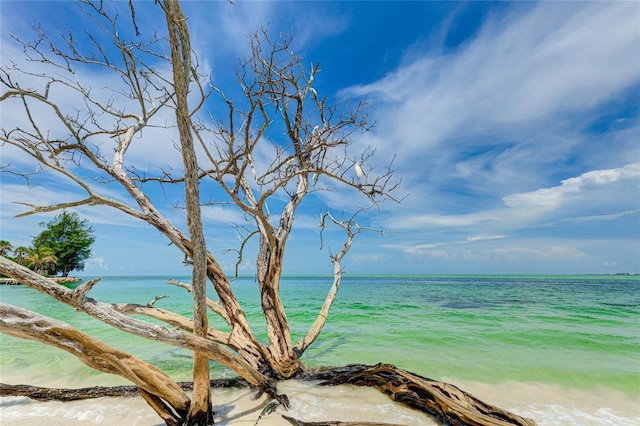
(164, 395)
(109, 315)
(200, 412)
(242, 338)
(246, 346)
(283, 359)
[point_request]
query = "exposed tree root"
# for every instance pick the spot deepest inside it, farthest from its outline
(445, 402)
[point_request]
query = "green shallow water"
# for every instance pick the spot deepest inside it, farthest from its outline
(581, 332)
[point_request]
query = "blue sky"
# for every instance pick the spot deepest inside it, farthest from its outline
(515, 126)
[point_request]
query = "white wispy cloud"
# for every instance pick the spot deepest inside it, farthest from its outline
(514, 250)
(96, 264)
(505, 110)
(558, 57)
(582, 198)
(552, 197)
(484, 237)
(224, 215)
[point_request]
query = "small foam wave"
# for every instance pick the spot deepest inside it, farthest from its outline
(19, 411)
(556, 405)
(559, 415)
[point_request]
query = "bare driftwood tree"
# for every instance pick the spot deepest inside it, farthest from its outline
(200, 410)
(277, 111)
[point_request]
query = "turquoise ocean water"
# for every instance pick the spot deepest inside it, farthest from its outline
(575, 333)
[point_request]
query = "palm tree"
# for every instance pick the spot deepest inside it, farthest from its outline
(5, 247)
(41, 260)
(21, 254)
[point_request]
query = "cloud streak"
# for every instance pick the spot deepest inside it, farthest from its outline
(552, 197)
(510, 106)
(575, 198)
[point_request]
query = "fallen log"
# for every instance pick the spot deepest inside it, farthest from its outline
(67, 394)
(64, 394)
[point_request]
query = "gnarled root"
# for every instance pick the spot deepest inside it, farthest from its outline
(445, 402)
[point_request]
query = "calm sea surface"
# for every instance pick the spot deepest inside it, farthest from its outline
(579, 332)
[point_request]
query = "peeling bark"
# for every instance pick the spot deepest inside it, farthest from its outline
(283, 359)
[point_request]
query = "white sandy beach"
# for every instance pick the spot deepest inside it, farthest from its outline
(547, 404)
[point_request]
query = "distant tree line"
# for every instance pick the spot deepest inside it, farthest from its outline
(62, 247)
